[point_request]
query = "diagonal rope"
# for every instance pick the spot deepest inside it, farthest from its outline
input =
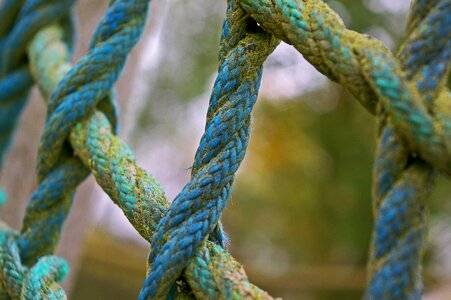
(196, 210)
(408, 95)
(363, 66)
(371, 74)
(130, 187)
(20, 20)
(59, 172)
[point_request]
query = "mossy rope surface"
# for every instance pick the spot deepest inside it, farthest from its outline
(408, 94)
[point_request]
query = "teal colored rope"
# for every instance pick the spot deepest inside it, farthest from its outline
(213, 272)
(194, 213)
(402, 183)
(20, 22)
(371, 74)
(410, 115)
(362, 65)
(58, 171)
(51, 202)
(20, 282)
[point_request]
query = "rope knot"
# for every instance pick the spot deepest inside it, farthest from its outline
(21, 282)
(419, 114)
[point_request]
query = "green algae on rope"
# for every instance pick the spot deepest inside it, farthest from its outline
(96, 155)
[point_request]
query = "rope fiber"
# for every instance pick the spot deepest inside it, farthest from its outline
(407, 93)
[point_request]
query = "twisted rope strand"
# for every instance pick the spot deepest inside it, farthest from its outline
(58, 171)
(196, 210)
(94, 143)
(20, 22)
(51, 202)
(25, 19)
(402, 184)
(413, 116)
(20, 282)
(362, 65)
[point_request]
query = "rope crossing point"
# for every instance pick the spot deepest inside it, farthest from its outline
(408, 95)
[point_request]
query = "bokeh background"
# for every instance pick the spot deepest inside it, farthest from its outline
(300, 216)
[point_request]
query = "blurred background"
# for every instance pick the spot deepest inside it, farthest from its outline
(300, 216)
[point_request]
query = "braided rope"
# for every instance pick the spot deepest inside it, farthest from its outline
(59, 172)
(370, 73)
(413, 118)
(20, 282)
(50, 204)
(195, 212)
(137, 193)
(112, 164)
(362, 65)
(20, 21)
(403, 183)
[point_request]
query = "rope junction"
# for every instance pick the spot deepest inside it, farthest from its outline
(407, 93)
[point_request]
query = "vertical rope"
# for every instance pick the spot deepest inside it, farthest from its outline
(402, 182)
(195, 212)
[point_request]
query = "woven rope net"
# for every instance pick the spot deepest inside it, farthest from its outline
(407, 93)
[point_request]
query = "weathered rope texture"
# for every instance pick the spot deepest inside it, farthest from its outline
(20, 282)
(85, 86)
(212, 272)
(49, 205)
(370, 73)
(195, 212)
(408, 95)
(402, 182)
(20, 21)
(114, 166)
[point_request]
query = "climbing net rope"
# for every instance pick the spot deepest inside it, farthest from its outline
(407, 94)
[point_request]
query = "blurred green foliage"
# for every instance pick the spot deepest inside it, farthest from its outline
(303, 196)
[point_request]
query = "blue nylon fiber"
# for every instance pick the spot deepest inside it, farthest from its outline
(63, 115)
(400, 228)
(30, 17)
(195, 212)
(15, 33)
(60, 174)
(186, 237)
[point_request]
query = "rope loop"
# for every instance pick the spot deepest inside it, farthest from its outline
(28, 283)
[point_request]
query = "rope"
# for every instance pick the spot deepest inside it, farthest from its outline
(20, 282)
(195, 212)
(137, 193)
(408, 95)
(371, 74)
(20, 21)
(402, 183)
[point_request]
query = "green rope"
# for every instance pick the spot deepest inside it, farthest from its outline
(96, 145)
(407, 94)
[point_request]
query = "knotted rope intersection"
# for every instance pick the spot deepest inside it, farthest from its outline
(410, 99)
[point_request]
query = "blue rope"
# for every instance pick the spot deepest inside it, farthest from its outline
(195, 212)
(402, 184)
(20, 22)
(87, 85)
